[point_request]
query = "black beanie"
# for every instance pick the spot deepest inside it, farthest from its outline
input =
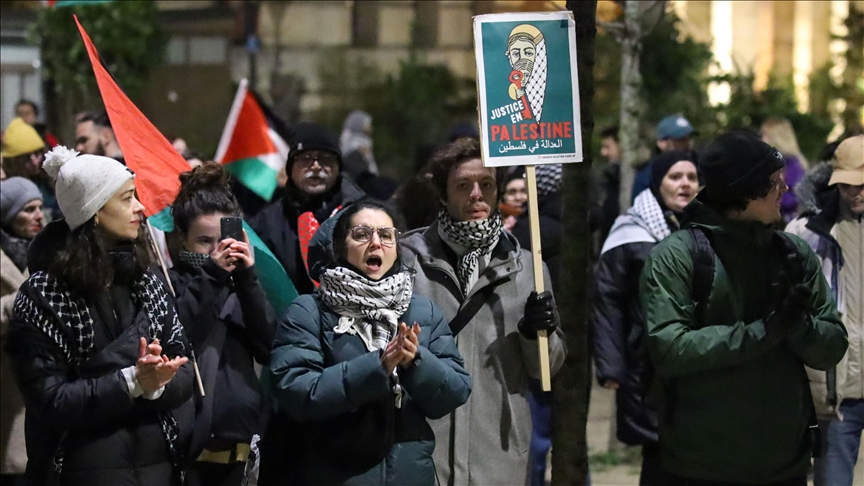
(661, 164)
(312, 136)
(737, 157)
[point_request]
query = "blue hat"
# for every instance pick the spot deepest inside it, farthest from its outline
(674, 127)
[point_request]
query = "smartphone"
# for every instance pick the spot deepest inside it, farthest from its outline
(232, 227)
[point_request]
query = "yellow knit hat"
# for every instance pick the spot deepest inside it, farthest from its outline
(20, 138)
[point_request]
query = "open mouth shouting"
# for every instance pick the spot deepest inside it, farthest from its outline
(373, 263)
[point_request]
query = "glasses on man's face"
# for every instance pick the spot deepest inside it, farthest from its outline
(323, 158)
(363, 234)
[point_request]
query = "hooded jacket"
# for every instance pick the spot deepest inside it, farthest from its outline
(617, 320)
(818, 226)
(737, 407)
(79, 401)
(231, 325)
(487, 440)
(276, 224)
(327, 382)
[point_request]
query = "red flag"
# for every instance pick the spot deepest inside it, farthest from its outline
(146, 151)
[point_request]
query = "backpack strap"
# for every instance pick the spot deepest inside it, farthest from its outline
(702, 255)
(470, 309)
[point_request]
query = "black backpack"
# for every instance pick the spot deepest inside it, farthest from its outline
(661, 392)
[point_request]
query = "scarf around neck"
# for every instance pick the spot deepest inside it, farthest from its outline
(194, 260)
(646, 207)
(15, 248)
(372, 307)
(480, 237)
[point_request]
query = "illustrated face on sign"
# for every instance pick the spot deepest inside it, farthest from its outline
(526, 52)
(521, 54)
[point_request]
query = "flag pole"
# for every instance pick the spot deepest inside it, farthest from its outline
(173, 294)
(536, 253)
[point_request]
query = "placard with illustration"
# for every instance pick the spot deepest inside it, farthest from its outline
(528, 87)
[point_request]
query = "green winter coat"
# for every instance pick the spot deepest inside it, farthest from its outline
(738, 406)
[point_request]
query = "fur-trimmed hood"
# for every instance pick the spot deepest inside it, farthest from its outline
(813, 191)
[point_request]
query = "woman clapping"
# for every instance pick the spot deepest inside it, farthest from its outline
(360, 366)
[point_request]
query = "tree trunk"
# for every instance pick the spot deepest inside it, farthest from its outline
(572, 384)
(631, 103)
(852, 114)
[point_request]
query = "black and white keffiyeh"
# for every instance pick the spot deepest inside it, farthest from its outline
(646, 207)
(147, 293)
(371, 308)
(194, 260)
(480, 236)
(549, 177)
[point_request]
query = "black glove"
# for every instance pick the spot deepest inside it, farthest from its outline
(792, 313)
(541, 314)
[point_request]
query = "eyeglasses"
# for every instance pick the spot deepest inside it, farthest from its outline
(323, 158)
(362, 234)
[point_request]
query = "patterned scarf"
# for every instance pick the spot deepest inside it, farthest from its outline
(549, 177)
(373, 308)
(646, 207)
(147, 294)
(368, 308)
(194, 260)
(480, 236)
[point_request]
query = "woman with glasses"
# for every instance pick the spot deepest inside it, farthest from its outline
(359, 366)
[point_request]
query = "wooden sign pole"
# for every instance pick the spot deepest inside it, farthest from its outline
(173, 294)
(536, 253)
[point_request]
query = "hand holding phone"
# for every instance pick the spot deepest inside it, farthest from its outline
(232, 227)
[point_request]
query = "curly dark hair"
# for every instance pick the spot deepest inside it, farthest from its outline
(203, 190)
(343, 224)
(83, 264)
(448, 157)
(724, 200)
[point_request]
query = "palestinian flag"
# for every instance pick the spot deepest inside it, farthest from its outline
(146, 151)
(250, 147)
(157, 168)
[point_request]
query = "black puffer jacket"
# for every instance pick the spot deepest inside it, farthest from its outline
(230, 323)
(72, 382)
(617, 317)
(276, 224)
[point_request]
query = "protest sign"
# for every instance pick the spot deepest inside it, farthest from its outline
(528, 88)
(527, 81)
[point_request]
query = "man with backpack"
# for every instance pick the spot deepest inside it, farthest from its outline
(734, 310)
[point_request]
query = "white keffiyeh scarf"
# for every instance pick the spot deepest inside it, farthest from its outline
(369, 308)
(480, 236)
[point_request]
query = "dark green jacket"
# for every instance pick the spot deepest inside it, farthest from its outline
(738, 405)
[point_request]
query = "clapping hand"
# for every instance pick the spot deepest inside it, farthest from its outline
(402, 349)
(153, 369)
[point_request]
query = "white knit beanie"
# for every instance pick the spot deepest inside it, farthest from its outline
(84, 183)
